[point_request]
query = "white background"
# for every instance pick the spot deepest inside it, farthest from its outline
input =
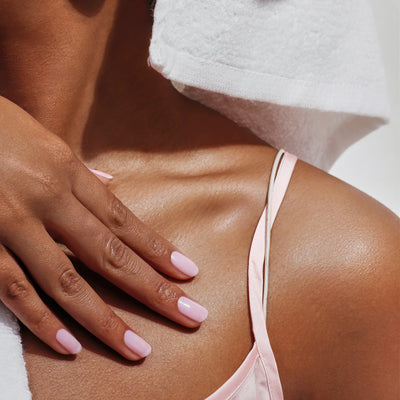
(373, 163)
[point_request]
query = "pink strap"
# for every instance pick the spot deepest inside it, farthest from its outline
(281, 173)
(268, 377)
(281, 184)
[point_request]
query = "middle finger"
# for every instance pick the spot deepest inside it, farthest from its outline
(102, 251)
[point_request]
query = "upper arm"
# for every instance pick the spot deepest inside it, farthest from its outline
(334, 314)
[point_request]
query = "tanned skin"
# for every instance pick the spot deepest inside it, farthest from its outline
(79, 68)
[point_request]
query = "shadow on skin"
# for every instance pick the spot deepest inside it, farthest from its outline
(128, 42)
(87, 7)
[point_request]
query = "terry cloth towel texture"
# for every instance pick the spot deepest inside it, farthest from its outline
(304, 75)
(13, 377)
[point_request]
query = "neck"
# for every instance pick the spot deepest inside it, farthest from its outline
(96, 90)
(136, 108)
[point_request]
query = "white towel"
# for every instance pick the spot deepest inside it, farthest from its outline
(13, 376)
(303, 75)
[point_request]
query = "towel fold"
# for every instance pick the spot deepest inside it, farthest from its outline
(302, 75)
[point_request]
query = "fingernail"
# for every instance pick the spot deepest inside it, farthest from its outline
(184, 264)
(191, 309)
(137, 344)
(103, 176)
(68, 341)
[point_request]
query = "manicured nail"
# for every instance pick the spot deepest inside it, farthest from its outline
(191, 309)
(68, 341)
(184, 264)
(103, 176)
(137, 344)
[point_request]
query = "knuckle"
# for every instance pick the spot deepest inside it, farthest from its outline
(50, 179)
(134, 266)
(156, 247)
(41, 320)
(48, 185)
(116, 251)
(62, 154)
(16, 289)
(70, 282)
(166, 293)
(109, 322)
(119, 214)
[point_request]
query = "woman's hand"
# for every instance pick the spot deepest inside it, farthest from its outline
(47, 194)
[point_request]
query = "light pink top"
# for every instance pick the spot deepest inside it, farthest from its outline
(257, 377)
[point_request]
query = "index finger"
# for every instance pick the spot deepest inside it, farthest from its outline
(146, 242)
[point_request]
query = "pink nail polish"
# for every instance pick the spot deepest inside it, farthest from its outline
(137, 344)
(191, 309)
(184, 264)
(68, 341)
(103, 176)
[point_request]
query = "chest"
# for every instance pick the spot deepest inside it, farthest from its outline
(212, 225)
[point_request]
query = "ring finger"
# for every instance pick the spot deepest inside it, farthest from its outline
(19, 296)
(55, 274)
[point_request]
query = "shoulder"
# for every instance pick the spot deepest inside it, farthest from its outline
(334, 313)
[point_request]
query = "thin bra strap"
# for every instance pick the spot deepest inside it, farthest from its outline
(278, 184)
